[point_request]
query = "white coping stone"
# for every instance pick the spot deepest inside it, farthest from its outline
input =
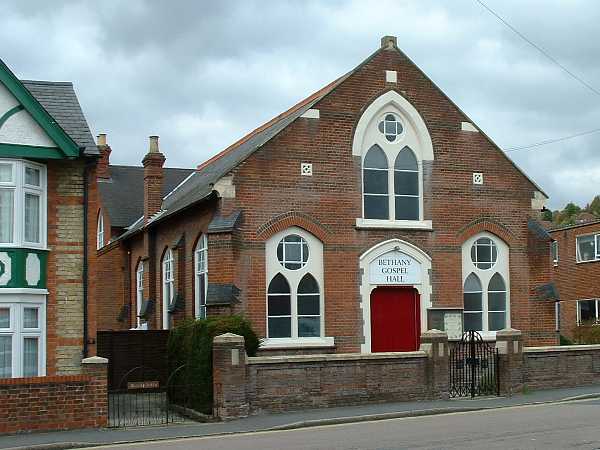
(508, 332)
(561, 348)
(468, 126)
(334, 357)
(311, 113)
(94, 360)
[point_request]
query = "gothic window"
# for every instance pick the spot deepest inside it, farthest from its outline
(201, 276)
(168, 285)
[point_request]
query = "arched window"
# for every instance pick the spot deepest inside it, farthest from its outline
(473, 303)
(295, 300)
(375, 184)
(201, 276)
(168, 282)
(496, 303)
(139, 291)
(100, 231)
(309, 307)
(279, 308)
(406, 185)
(485, 259)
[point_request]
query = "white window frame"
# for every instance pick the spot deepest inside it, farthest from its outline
(485, 275)
(17, 305)
(314, 266)
(20, 189)
(168, 285)
(414, 135)
(597, 304)
(200, 256)
(100, 230)
(596, 249)
(139, 292)
(554, 252)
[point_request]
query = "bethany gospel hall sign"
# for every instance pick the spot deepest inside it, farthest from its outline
(395, 267)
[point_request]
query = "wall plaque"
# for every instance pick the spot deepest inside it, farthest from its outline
(395, 268)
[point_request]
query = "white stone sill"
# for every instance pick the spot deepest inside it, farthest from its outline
(425, 225)
(333, 357)
(561, 348)
(288, 343)
(31, 291)
(588, 262)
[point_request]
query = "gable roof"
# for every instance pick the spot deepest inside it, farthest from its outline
(60, 100)
(67, 147)
(122, 194)
(199, 185)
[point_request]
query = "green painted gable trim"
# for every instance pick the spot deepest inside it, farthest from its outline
(64, 142)
(11, 112)
(30, 151)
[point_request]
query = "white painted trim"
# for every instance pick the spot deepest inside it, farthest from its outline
(408, 113)
(395, 224)
(288, 343)
(28, 291)
(311, 113)
(468, 126)
(424, 288)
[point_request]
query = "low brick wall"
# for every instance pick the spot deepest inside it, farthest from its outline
(559, 367)
(244, 386)
(281, 383)
(55, 402)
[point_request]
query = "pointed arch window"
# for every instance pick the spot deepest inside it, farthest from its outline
(406, 185)
(279, 308)
(309, 307)
(496, 303)
(375, 184)
(473, 303)
(139, 291)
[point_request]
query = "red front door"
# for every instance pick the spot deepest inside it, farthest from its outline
(395, 319)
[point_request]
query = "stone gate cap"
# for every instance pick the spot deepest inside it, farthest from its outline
(229, 338)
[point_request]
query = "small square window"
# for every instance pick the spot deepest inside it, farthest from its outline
(30, 318)
(6, 173)
(306, 169)
(32, 176)
(477, 178)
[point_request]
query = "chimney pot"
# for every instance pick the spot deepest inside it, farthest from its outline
(102, 139)
(153, 148)
(389, 42)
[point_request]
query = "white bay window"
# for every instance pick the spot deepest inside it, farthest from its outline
(22, 204)
(22, 338)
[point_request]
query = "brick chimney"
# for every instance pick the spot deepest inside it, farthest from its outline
(102, 169)
(153, 179)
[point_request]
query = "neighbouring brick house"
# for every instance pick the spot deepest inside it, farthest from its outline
(368, 212)
(576, 258)
(46, 152)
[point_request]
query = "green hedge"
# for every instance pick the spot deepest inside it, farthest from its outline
(587, 334)
(190, 357)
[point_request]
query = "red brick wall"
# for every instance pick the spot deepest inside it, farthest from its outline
(54, 402)
(575, 281)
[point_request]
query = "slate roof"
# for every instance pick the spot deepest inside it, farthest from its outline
(60, 100)
(537, 229)
(123, 194)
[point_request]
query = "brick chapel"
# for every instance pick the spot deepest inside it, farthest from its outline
(370, 211)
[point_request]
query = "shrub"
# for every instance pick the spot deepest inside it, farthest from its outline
(565, 340)
(190, 357)
(587, 334)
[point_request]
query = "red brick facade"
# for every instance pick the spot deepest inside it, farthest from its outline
(575, 280)
(272, 195)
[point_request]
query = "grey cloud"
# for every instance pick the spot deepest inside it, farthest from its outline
(203, 73)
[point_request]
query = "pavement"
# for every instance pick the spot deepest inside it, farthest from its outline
(286, 421)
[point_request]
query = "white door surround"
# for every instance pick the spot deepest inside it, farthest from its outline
(366, 286)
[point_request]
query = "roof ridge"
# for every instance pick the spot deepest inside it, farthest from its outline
(141, 167)
(48, 82)
(267, 124)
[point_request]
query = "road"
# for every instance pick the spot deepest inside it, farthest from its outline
(570, 425)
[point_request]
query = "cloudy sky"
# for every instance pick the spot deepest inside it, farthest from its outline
(203, 73)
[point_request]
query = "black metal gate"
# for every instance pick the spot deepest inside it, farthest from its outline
(473, 367)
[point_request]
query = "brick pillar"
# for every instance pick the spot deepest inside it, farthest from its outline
(96, 367)
(435, 344)
(153, 179)
(102, 169)
(229, 377)
(509, 343)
